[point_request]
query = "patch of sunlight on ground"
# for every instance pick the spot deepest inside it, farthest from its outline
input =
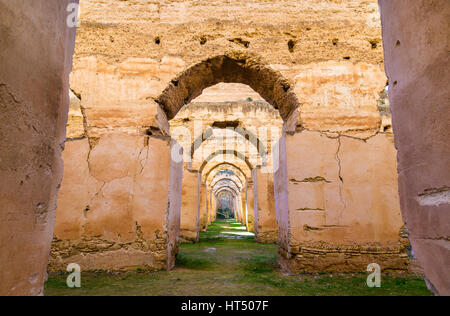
(234, 228)
(239, 234)
(229, 266)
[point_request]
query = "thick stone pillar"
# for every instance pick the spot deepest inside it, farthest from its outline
(190, 202)
(266, 226)
(337, 202)
(250, 206)
(113, 205)
(174, 206)
(203, 211)
(213, 207)
(241, 208)
(36, 48)
(415, 37)
(238, 208)
(209, 205)
(244, 207)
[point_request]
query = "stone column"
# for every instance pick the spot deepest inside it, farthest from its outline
(36, 60)
(208, 205)
(118, 211)
(203, 211)
(266, 226)
(213, 207)
(415, 37)
(244, 207)
(236, 207)
(250, 206)
(190, 211)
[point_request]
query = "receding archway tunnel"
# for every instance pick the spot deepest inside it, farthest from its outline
(35, 58)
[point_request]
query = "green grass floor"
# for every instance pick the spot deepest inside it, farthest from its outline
(227, 261)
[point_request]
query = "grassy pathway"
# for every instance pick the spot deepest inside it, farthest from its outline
(228, 262)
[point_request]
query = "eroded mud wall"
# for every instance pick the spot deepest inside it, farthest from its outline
(343, 207)
(415, 35)
(114, 204)
(335, 72)
(36, 48)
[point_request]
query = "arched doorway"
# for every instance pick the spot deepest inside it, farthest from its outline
(233, 67)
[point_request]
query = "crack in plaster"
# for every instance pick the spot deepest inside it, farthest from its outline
(338, 160)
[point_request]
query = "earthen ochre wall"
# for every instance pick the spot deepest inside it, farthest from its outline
(128, 53)
(35, 59)
(416, 38)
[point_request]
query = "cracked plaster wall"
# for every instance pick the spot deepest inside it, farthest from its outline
(343, 210)
(115, 98)
(35, 59)
(113, 204)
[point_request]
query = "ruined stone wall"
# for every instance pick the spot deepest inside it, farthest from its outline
(223, 107)
(35, 59)
(325, 30)
(127, 53)
(300, 32)
(344, 210)
(113, 204)
(416, 37)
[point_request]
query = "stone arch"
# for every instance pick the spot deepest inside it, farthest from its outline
(233, 178)
(230, 165)
(223, 181)
(228, 143)
(231, 67)
(229, 189)
(227, 152)
(244, 132)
